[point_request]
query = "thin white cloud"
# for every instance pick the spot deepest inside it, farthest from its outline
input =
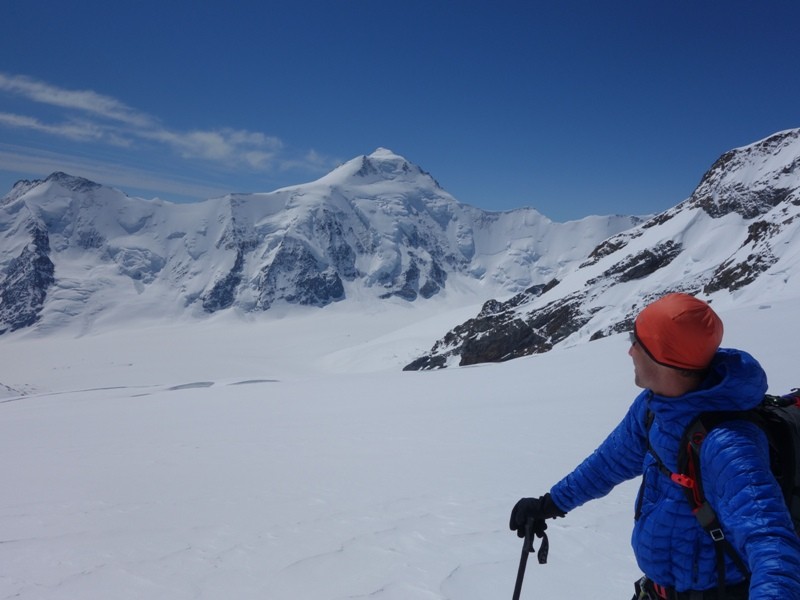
(84, 100)
(16, 159)
(107, 120)
(94, 123)
(77, 130)
(226, 146)
(259, 160)
(312, 161)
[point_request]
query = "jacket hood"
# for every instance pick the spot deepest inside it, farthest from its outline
(736, 381)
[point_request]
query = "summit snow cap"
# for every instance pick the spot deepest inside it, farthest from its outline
(679, 331)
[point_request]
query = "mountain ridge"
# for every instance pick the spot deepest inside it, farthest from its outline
(733, 240)
(376, 225)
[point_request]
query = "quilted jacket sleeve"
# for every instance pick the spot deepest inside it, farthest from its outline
(617, 459)
(739, 486)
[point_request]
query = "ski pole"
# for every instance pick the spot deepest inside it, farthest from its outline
(527, 547)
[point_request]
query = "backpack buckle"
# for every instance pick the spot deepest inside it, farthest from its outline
(716, 534)
(682, 480)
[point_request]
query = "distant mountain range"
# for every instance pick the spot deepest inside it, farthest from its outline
(75, 253)
(735, 240)
(377, 227)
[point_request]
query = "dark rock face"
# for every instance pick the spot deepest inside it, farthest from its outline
(511, 340)
(721, 193)
(498, 334)
(493, 338)
(437, 277)
(642, 264)
(90, 239)
(223, 294)
(298, 277)
(608, 247)
(736, 273)
(732, 276)
(330, 232)
(407, 286)
(27, 279)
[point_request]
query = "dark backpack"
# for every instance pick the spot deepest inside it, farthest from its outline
(779, 417)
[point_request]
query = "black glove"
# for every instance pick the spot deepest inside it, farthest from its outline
(537, 509)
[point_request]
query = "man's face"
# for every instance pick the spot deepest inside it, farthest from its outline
(646, 372)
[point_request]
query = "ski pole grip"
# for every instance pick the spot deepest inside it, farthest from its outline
(529, 528)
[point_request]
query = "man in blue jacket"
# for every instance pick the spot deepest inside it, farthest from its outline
(678, 362)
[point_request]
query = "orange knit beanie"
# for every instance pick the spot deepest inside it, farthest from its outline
(679, 331)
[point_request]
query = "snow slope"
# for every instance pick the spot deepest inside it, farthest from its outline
(289, 457)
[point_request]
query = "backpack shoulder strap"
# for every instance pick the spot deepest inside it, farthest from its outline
(689, 477)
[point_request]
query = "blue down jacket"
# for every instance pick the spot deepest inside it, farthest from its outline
(670, 546)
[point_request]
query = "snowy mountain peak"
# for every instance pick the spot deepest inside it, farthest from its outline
(72, 183)
(63, 180)
(378, 227)
(20, 188)
(388, 164)
(382, 165)
(386, 154)
(753, 179)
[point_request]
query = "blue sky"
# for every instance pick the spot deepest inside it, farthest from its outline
(572, 107)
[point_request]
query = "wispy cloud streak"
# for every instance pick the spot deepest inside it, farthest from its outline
(83, 100)
(93, 117)
(73, 131)
(15, 158)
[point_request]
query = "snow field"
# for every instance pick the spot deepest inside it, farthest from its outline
(239, 461)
